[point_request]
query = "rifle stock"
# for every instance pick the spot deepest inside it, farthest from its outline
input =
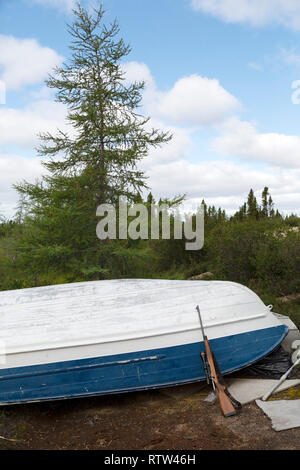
(225, 402)
(223, 395)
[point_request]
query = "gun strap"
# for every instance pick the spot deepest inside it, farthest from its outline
(235, 402)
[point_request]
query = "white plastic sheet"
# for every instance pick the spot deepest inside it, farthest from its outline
(285, 414)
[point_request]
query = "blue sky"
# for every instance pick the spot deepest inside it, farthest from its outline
(218, 73)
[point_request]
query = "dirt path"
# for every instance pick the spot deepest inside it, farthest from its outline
(176, 418)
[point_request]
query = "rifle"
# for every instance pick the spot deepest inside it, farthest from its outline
(228, 404)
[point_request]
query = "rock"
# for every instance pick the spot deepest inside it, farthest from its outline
(289, 298)
(201, 276)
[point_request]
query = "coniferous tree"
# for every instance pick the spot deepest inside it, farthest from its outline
(98, 157)
(241, 214)
(244, 210)
(271, 210)
(265, 204)
(110, 134)
(252, 208)
(203, 203)
(150, 199)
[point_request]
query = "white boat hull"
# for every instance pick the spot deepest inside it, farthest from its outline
(111, 336)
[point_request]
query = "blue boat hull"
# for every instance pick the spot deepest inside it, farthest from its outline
(134, 371)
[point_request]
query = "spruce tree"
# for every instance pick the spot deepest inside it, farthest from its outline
(205, 209)
(271, 210)
(252, 209)
(265, 205)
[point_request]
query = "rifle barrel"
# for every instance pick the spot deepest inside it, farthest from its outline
(201, 324)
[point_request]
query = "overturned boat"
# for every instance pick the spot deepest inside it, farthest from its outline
(102, 337)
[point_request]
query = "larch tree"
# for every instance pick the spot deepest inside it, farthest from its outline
(97, 160)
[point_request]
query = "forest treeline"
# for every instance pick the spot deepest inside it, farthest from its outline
(256, 245)
(52, 238)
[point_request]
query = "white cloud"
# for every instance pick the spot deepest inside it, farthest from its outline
(241, 139)
(138, 72)
(179, 147)
(204, 179)
(193, 100)
(224, 184)
(13, 169)
(64, 5)
(25, 61)
(196, 100)
(254, 12)
(19, 127)
(220, 183)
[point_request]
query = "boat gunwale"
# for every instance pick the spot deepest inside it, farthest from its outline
(132, 338)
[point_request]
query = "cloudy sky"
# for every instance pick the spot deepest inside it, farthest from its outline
(222, 75)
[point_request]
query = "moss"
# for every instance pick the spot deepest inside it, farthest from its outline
(293, 393)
